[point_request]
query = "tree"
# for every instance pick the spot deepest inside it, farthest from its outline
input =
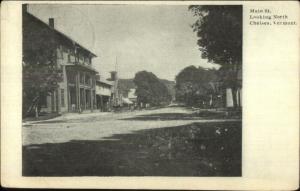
(196, 86)
(38, 82)
(41, 74)
(219, 29)
(150, 90)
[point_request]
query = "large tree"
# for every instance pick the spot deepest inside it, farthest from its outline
(219, 29)
(150, 90)
(196, 86)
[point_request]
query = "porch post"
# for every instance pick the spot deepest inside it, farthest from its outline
(58, 103)
(84, 90)
(92, 100)
(77, 91)
(94, 86)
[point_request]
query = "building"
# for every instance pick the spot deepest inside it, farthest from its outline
(131, 95)
(103, 94)
(117, 97)
(76, 91)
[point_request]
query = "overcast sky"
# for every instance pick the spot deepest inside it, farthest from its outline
(156, 38)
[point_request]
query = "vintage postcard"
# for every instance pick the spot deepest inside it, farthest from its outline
(150, 95)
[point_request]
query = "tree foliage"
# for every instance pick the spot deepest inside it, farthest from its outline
(197, 86)
(219, 31)
(150, 90)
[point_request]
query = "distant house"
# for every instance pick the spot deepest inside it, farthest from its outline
(103, 94)
(128, 88)
(76, 92)
(131, 95)
(129, 98)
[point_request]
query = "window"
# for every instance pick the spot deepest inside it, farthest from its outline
(62, 94)
(71, 77)
(93, 81)
(81, 59)
(59, 53)
(86, 61)
(87, 80)
(81, 78)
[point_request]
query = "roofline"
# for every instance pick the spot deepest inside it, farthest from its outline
(83, 66)
(61, 33)
(101, 82)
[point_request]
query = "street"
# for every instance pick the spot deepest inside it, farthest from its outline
(172, 141)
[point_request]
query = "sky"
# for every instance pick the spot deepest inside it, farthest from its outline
(155, 38)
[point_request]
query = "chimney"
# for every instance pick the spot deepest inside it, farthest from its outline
(98, 77)
(113, 75)
(51, 22)
(25, 8)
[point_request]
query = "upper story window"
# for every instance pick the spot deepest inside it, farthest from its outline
(81, 59)
(81, 78)
(86, 61)
(90, 60)
(71, 57)
(93, 81)
(59, 53)
(65, 56)
(87, 80)
(71, 77)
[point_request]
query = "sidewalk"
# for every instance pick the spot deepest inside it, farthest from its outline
(69, 116)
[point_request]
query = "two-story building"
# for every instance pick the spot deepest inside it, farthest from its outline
(76, 92)
(103, 94)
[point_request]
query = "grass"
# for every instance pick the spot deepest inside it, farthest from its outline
(186, 116)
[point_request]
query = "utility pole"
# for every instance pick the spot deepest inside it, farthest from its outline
(115, 86)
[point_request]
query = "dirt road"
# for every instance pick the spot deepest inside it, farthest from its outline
(162, 142)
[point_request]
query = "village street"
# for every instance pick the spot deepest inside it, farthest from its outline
(101, 126)
(166, 141)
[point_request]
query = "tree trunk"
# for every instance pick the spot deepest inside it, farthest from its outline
(211, 101)
(234, 100)
(32, 106)
(37, 104)
(36, 111)
(234, 87)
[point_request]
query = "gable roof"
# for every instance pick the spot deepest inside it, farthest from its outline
(59, 33)
(104, 82)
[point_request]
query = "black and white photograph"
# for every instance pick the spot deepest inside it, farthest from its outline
(150, 95)
(132, 90)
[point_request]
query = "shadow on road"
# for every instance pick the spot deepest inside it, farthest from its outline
(197, 149)
(180, 116)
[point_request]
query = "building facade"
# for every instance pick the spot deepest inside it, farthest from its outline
(117, 97)
(77, 90)
(103, 94)
(132, 96)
